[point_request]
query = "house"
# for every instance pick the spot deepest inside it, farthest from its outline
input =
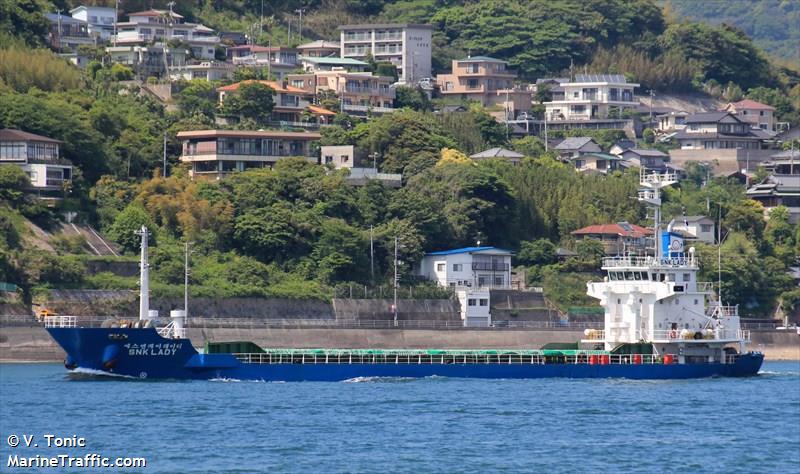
(205, 70)
(152, 60)
(233, 38)
(293, 105)
(575, 146)
(361, 166)
(279, 61)
(617, 239)
(645, 158)
(320, 49)
(621, 145)
(590, 97)
(100, 20)
(697, 228)
(359, 93)
(215, 153)
(39, 157)
(755, 113)
(782, 186)
(328, 63)
(160, 26)
(507, 155)
(487, 81)
(67, 33)
(596, 162)
(672, 121)
(722, 142)
(471, 272)
(406, 45)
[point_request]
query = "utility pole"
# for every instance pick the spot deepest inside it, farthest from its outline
(261, 20)
(186, 282)
(652, 95)
(116, 16)
(395, 281)
(300, 23)
(58, 12)
(372, 255)
(164, 171)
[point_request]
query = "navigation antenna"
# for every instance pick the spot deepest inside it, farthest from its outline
(144, 278)
(651, 194)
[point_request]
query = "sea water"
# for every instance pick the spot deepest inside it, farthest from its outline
(748, 425)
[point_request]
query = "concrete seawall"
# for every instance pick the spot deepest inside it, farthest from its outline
(34, 344)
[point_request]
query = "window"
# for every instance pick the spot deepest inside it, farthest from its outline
(761, 113)
(498, 281)
(687, 277)
(484, 302)
(457, 267)
(471, 302)
(705, 227)
(440, 267)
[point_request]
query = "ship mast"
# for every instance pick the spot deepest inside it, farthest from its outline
(144, 277)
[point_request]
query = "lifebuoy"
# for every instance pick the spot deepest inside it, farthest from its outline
(673, 334)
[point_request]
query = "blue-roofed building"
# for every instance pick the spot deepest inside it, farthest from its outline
(471, 272)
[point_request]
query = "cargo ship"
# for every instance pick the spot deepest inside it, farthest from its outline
(660, 322)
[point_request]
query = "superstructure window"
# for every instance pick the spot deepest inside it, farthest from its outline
(440, 267)
(471, 302)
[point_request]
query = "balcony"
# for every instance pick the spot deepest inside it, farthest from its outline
(490, 266)
(373, 91)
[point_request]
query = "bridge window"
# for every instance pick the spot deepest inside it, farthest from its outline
(687, 277)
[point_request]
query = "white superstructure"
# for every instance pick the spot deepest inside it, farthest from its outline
(658, 299)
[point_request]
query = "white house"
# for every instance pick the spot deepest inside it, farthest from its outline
(142, 28)
(472, 272)
(591, 97)
(100, 19)
(700, 228)
(205, 70)
(38, 156)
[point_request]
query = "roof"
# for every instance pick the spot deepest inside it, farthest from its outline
(602, 156)
(708, 117)
(278, 87)
(53, 17)
(573, 143)
(547, 80)
(334, 60)
(371, 26)
(468, 250)
(263, 49)
(319, 44)
(753, 134)
(622, 229)
(154, 12)
(680, 219)
(647, 152)
(618, 78)
(483, 59)
(248, 133)
(750, 104)
(497, 152)
(316, 110)
(12, 134)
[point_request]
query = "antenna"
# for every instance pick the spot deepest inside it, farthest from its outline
(144, 277)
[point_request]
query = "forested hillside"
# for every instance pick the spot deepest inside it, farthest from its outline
(773, 24)
(299, 231)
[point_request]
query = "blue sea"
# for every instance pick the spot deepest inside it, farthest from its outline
(411, 426)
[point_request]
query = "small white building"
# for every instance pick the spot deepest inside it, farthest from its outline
(99, 19)
(472, 272)
(591, 97)
(205, 70)
(700, 228)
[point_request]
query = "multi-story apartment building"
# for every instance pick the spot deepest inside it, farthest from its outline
(279, 60)
(591, 97)
(755, 113)
(67, 33)
(359, 93)
(320, 49)
(485, 80)
(100, 20)
(292, 104)
(407, 46)
(215, 153)
(39, 158)
(146, 27)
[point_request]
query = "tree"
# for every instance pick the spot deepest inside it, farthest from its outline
(24, 19)
(13, 181)
(528, 146)
(199, 96)
(649, 135)
(537, 252)
(253, 100)
(453, 157)
(746, 217)
(127, 223)
(413, 98)
(121, 72)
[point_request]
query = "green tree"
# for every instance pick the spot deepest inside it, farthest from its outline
(121, 72)
(13, 182)
(537, 252)
(24, 19)
(252, 100)
(127, 223)
(199, 96)
(413, 98)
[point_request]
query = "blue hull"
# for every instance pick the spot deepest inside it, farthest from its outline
(142, 353)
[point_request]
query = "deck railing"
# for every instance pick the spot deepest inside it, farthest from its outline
(60, 321)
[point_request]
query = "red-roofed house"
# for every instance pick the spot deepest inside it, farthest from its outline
(759, 115)
(292, 104)
(617, 239)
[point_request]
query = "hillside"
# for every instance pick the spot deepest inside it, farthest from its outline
(773, 24)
